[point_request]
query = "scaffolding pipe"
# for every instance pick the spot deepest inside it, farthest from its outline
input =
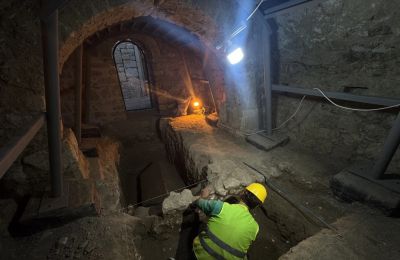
(389, 149)
(52, 91)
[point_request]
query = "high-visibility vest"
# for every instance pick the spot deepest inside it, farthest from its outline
(228, 235)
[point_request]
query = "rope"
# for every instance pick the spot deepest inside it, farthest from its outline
(167, 193)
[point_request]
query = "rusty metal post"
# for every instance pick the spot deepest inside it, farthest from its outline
(49, 26)
(78, 93)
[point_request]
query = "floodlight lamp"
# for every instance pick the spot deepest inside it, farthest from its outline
(235, 56)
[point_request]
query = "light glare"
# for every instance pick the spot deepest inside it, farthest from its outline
(235, 56)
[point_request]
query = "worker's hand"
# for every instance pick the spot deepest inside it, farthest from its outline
(205, 193)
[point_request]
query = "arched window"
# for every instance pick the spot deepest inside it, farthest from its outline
(131, 69)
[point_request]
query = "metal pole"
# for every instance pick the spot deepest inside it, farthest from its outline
(389, 149)
(78, 93)
(52, 91)
(87, 88)
(267, 79)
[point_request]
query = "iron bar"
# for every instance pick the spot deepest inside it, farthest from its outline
(338, 95)
(52, 91)
(284, 6)
(78, 93)
(10, 152)
(389, 149)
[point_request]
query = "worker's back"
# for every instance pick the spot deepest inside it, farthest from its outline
(234, 226)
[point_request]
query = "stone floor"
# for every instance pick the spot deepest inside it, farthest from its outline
(304, 220)
(307, 208)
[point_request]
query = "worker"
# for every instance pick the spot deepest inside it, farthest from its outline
(230, 228)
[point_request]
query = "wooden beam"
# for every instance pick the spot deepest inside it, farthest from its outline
(78, 93)
(10, 152)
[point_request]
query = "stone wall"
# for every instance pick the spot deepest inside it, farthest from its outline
(21, 80)
(168, 79)
(344, 46)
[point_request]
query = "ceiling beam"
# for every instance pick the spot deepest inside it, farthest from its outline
(284, 6)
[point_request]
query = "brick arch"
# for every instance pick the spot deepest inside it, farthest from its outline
(76, 24)
(79, 20)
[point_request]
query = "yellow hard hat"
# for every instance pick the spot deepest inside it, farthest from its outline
(258, 190)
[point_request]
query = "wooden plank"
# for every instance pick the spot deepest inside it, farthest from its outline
(10, 152)
(381, 101)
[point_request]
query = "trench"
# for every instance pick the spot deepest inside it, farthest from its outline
(141, 149)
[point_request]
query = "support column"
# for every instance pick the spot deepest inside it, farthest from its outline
(389, 149)
(78, 93)
(267, 84)
(49, 26)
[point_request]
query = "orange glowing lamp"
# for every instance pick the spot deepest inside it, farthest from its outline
(196, 104)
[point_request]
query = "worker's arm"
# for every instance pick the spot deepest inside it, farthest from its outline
(210, 207)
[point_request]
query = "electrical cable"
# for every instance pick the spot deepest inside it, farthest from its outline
(354, 109)
(302, 209)
(285, 122)
(255, 10)
(293, 115)
(242, 27)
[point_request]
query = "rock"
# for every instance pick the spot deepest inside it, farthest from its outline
(177, 201)
(38, 160)
(231, 183)
(74, 162)
(285, 167)
(218, 186)
(212, 119)
(141, 212)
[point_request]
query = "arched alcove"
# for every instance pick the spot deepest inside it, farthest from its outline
(132, 73)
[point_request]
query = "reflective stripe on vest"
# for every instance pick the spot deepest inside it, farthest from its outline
(224, 245)
(209, 250)
(221, 244)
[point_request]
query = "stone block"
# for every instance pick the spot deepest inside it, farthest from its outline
(265, 142)
(381, 194)
(177, 201)
(74, 162)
